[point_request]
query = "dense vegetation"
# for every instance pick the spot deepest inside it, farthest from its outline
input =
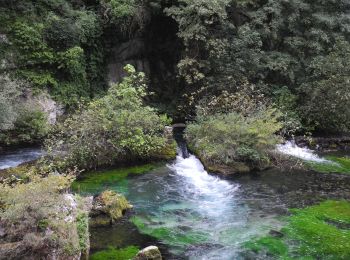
(235, 128)
(115, 128)
(295, 54)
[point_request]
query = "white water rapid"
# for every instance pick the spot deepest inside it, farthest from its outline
(290, 148)
(216, 195)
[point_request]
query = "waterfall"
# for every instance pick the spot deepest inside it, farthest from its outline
(181, 142)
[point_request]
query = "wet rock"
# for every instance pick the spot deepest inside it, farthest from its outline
(107, 208)
(226, 170)
(149, 253)
(325, 143)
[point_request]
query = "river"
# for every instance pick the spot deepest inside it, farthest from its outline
(191, 214)
(13, 158)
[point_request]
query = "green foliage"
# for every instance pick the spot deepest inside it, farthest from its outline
(314, 232)
(328, 87)
(31, 124)
(284, 48)
(117, 127)
(82, 222)
(127, 253)
(9, 92)
(234, 129)
(53, 45)
(197, 21)
(286, 102)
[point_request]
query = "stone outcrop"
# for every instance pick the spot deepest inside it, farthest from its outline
(149, 253)
(45, 103)
(107, 208)
(131, 52)
(227, 170)
(324, 143)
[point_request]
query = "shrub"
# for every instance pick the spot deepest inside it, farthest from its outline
(241, 130)
(328, 88)
(31, 125)
(114, 128)
(40, 216)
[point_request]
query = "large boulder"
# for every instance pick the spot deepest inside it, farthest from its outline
(107, 208)
(149, 253)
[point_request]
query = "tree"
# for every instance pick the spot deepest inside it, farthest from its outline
(115, 128)
(326, 95)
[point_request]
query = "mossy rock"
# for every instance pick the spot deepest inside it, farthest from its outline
(168, 152)
(107, 208)
(231, 169)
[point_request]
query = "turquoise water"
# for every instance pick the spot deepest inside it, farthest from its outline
(193, 214)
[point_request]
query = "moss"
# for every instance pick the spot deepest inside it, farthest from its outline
(115, 203)
(272, 245)
(319, 238)
(116, 254)
(82, 221)
(339, 165)
(169, 235)
(316, 232)
(96, 182)
(108, 207)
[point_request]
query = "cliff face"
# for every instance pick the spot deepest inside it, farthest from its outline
(131, 52)
(154, 50)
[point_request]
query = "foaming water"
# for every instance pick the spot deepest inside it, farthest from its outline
(216, 195)
(17, 157)
(197, 215)
(290, 148)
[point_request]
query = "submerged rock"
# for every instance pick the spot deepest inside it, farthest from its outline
(107, 208)
(149, 253)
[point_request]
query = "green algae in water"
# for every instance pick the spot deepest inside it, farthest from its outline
(336, 165)
(98, 181)
(316, 232)
(116, 254)
(272, 245)
(169, 235)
